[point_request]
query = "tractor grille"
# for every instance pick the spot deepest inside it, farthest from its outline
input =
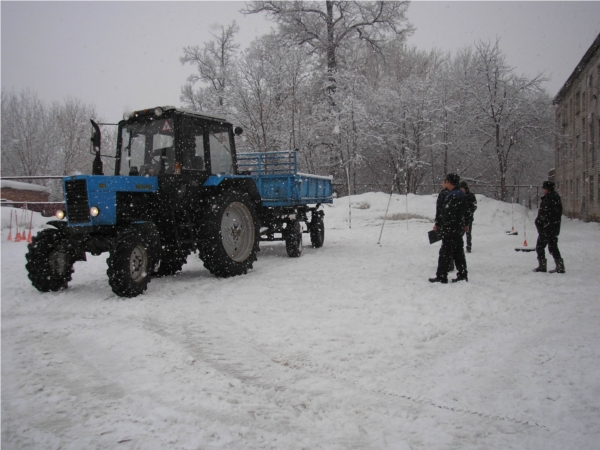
(77, 201)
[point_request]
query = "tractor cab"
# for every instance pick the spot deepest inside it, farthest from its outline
(171, 141)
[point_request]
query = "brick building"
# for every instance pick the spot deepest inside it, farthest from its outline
(28, 196)
(23, 192)
(577, 154)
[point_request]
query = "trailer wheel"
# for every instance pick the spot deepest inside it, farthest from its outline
(317, 230)
(293, 239)
(129, 265)
(49, 262)
(231, 235)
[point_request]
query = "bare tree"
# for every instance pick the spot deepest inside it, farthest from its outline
(71, 137)
(214, 63)
(506, 107)
(26, 135)
(326, 26)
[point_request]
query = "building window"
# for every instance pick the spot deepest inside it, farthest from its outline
(577, 144)
(591, 188)
(583, 136)
(571, 190)
(577, 103)
(577, 189)
(592, 141)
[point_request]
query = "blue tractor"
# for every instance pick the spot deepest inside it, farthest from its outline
(179, 187)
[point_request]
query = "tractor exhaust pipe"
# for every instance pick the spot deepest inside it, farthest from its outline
(97, 168)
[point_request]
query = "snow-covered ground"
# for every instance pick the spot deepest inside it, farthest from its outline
(347, 347)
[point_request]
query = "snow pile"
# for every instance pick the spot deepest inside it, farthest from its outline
(348, 346)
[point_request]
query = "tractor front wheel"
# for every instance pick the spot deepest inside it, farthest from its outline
(49, 262)
(129, 265)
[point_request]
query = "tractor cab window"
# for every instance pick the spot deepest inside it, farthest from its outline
(147, 148)
(221, 160)
(192, 144)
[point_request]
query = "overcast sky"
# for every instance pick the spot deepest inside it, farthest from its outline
(122, 56)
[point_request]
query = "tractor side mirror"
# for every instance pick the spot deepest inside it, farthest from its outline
(238, 131)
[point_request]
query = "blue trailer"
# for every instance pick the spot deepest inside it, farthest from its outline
(288, 197)
(279, 182)
(179, 187)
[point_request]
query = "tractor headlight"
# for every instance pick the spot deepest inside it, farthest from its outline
(158, 112)
(59, 214)
(94, 211)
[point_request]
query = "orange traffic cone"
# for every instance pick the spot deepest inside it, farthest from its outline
(24, 220)
(18, 237)
(30, 224)
(10, 228)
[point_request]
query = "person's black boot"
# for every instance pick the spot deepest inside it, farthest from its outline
(541, 266)
(460, 278)
(439, 280)
(560, 266)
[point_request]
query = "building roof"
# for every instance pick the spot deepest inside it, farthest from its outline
(594, 48)
(23, 186)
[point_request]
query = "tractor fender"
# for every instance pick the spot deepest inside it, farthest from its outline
(58, 224)
(74, 245)
(245, 184)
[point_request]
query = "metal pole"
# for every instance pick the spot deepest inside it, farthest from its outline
(388, 205)
(407, 209)
(349, 201)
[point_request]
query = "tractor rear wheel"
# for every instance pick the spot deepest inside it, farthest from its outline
(129, 265)
(231, 235)
(49, 262)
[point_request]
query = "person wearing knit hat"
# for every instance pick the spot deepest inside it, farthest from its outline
(548, 227)
(452, 227)
(471, 207)
(441, 198)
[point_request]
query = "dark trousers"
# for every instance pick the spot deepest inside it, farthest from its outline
(551, 242)
(452, 249)
(468, 233)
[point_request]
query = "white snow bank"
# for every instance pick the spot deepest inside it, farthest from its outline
(22, 217)
(348, 346)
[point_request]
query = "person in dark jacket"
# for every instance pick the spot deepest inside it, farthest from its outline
(471, 207)
(548, 227)
(438, 216)
(452, 227)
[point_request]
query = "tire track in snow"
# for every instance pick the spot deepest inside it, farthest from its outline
(254, 368)
(413, 399)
